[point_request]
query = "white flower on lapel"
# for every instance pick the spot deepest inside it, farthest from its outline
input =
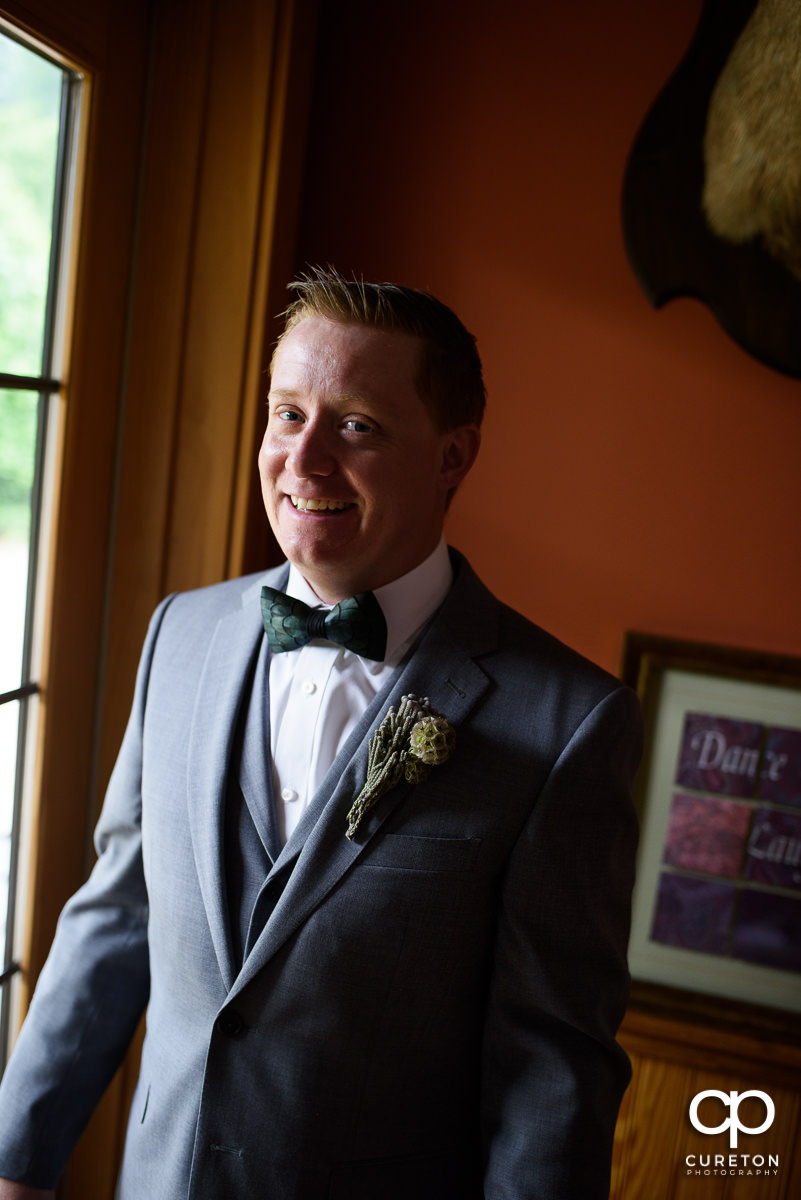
(406, 744)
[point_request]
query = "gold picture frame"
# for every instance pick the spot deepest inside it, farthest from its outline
(716, 927)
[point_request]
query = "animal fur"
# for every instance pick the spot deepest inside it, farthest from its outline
(752, 144)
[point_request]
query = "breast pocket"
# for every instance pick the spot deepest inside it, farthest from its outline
(408, 852)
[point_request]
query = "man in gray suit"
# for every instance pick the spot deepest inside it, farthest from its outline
(367, 852)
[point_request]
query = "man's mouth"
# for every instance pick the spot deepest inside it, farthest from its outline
(304, 504)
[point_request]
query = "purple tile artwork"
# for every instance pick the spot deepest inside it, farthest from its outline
(707, 834)
(732, 850)
(719, 754)
(693, 913)
(768, 930)
(781, 769)
(774, 849)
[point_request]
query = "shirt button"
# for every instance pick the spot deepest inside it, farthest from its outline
(309, 687)
(288, 794)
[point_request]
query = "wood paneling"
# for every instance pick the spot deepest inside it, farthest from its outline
(672, 1061)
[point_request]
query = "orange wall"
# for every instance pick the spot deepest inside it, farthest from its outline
(639, 470)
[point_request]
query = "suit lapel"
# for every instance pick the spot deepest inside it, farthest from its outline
(255, 769)
(317, 855)
(226, 675)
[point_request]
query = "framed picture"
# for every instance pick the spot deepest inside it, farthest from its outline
(717, 904)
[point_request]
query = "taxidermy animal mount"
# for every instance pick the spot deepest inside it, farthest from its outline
(752, 145)
(712, 191)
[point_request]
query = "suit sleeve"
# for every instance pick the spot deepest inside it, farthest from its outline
(553, 1075)
(93, 987)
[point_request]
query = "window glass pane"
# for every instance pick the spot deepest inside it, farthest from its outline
(9, 723)
(18, 421)
(30, 105)
(36, 158)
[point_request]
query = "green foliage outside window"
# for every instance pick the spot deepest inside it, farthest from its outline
(30, 100)
(17, 446)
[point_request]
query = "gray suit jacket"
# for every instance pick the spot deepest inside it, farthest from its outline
(428, 1011)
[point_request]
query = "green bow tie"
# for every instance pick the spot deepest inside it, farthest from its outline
(358, 624)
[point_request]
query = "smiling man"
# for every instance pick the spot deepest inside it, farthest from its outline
(355, 468)
(367, 853)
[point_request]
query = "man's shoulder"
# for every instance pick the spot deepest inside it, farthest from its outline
(219, 598)
(550, 663)
(187, 620)
(523, 650)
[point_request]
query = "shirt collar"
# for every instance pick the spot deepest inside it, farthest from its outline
(407, 603)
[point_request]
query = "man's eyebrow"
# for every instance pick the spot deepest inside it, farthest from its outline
(341, 398)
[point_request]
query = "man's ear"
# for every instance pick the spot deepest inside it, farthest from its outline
(459, 449)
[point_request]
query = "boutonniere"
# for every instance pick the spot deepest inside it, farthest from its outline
(407, 743)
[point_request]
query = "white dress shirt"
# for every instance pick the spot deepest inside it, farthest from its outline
(319, 692)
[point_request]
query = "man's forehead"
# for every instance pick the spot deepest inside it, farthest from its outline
(301, 354)
(318, 352)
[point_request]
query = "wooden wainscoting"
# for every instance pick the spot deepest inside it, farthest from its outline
(673, 1059)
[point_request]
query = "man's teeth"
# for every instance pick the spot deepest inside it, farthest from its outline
(300, 502)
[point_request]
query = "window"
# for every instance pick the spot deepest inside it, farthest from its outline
(38, 119)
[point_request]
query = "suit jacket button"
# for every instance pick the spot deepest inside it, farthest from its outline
(231, 1024)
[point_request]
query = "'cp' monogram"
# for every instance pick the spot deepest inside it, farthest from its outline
(732, 1100)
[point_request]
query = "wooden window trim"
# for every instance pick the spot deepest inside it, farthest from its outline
(194, 155)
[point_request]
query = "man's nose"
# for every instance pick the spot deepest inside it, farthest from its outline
(312, 451)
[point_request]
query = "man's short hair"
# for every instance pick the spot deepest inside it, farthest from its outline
(449, 381)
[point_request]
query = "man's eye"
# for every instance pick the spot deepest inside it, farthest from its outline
(358, 426)
(288, 415)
